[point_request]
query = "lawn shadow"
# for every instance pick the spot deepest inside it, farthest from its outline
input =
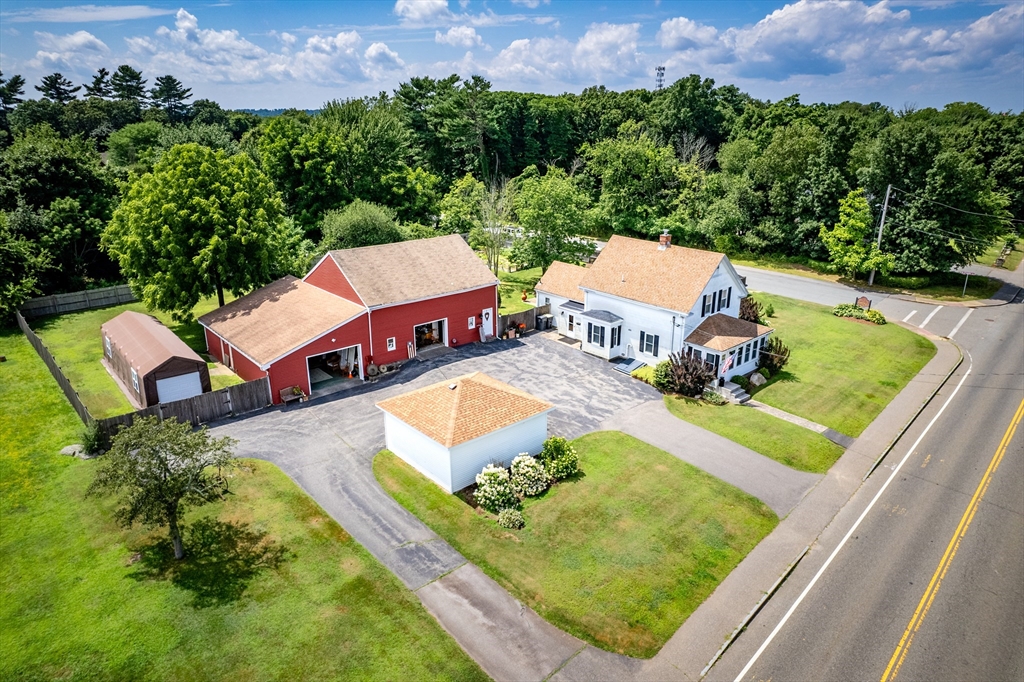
(221, 559)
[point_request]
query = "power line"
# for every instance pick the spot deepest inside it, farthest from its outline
(954, 208)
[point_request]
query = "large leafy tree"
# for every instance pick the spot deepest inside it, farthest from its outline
(635, 178)
(134, 146)
(158, 470)
(688, 106)
(57, 88)
(22, 264)
(60, 196)
(851, 248)
(201, 223)
(552, 210)
(461, 206)
(361, 223)
(170, 95)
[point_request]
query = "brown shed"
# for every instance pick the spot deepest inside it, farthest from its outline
(153, 364)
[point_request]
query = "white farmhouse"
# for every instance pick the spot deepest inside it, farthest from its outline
(644, 300)
(450, 430)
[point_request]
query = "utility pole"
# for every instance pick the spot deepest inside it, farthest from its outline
(881, 226)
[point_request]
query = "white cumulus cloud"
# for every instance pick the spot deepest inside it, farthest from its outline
(69, 51)
(459, 36)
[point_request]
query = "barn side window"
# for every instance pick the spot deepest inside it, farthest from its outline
(135, 380)
(472, 322)
(106, 342)
(391, 343)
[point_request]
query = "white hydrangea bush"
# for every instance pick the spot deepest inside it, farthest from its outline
(494, 490)
(529, 478)
(511, 518)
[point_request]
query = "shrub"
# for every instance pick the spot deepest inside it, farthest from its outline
(559, 458)
(910, 282)
(662, 379)
(741, 381)
(751, 310)
(875, 316)
(644, 374)
(529, 478)
(765, 373)
(93, 440)
(774, 355)
(849, 310)
(511, 518)
(713, 398)
(769, 310)
(494, 489)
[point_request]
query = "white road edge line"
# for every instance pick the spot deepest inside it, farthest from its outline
(960, 323)
(912, 313)
(853, 528)
(931, 315)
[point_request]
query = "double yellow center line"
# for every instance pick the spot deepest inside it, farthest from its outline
(903, 647)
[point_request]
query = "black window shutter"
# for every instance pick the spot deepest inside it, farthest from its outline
(602, 337)
(643, 337)
(590, 332)
(728, 298)
(655, 345)
(703, 310)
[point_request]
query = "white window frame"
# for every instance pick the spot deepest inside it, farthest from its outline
(471, 324)
(135, 380)
(649, 340)
(392, 344)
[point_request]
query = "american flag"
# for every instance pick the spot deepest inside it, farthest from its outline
(727, 364)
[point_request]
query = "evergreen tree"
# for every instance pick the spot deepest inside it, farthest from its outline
(171, 96)
(57, 88)
(11, 90)
(100, 86)
(128, 84)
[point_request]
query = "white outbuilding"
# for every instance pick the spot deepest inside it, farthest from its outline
(450, 430)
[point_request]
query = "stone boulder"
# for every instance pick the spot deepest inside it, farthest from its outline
(756, 379)
(75, 450)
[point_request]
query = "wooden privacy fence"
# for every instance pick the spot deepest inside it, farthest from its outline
(203, 408)
(527, 317)
(55, 370)
(78, 300)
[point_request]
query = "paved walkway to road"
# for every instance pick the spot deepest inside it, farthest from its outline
(778, 486)
(833, 435)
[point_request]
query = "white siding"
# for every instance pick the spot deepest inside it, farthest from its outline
(421, 452)
(636, 318)
(503, 445)
(724, 278)
(561, 316)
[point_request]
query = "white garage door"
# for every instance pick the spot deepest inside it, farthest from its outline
(179, 387)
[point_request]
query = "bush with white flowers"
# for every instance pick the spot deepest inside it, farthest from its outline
(529, 478)
(511, 518)
(494, 490)
(560, 458)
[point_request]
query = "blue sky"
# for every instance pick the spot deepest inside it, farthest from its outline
(269, 54)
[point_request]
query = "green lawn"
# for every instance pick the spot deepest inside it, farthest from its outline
(949, 289)
(1012, 261)
(620, 556)
(784, 442)
(280, 592)
(512, 286)
(74, 340)
(841, 372)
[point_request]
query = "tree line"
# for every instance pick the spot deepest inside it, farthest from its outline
(93, 178)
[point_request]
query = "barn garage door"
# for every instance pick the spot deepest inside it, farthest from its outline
(179, 387)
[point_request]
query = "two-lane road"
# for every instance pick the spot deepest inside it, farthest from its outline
(926, 580)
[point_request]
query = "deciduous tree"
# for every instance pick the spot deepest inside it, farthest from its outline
(201, 223)
(158, 470)
(552, 210)
(851, 248)
(361, 223)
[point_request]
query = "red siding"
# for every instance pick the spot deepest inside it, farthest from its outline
(213, 345)
(291, 369)
(243, 366)
(398, 321)
(328, 277)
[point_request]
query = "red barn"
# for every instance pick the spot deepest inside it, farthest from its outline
(376, 304)
(416, 293)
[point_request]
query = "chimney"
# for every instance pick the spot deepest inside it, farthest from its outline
(664, 241)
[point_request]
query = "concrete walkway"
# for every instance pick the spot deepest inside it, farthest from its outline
(840, 439)
(775, 484)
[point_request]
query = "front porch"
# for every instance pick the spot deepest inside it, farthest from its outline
(729, 346)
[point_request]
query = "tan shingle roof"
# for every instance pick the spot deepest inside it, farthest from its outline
(278, 318)
(563, 279)
(145, 341)
(413, 270)
(476, 406)
(637, 270)
(722, 332)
